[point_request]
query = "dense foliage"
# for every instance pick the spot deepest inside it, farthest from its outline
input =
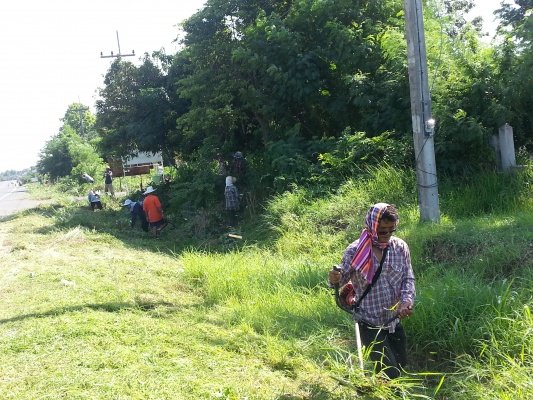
(73, 150)
(136, 112)
(10, 174)
(308, 89)
(312, 91)
(515, 62)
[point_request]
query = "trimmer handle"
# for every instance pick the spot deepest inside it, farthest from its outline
(336, 285)
(336, 289)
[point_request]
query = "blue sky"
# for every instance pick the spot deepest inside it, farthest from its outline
(51, 58)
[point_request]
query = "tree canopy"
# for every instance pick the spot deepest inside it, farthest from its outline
(73, 150)
(313, 88)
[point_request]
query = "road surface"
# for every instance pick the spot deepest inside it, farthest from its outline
(14, 198)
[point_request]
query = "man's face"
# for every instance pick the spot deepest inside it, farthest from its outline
(385, 230)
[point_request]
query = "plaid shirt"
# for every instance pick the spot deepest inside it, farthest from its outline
(232, 198)
(395, 284)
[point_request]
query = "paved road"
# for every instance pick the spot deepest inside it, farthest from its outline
(14, 198)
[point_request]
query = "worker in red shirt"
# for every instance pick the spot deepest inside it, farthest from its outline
(154, 211)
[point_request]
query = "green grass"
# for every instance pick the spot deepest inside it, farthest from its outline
(95, 310)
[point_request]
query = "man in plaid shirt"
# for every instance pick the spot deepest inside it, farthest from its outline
(392, 296)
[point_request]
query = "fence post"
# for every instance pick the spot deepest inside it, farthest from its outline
(506, 145)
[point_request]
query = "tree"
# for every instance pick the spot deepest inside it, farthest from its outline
(291, 82)
(514, 58)
(263, 71)
(54, 158)
(80, 118)
(68, 153)
(136, 112)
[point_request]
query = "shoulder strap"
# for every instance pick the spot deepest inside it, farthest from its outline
(374, 280)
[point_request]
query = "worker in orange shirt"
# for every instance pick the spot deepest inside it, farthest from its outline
(154, 211)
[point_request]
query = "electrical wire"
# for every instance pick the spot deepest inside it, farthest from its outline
(417, 159)
(439, 60)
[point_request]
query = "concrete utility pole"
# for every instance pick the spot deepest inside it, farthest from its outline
(119, 53)
(423, 122)
(80, 111)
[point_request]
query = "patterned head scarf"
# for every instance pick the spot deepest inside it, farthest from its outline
(362, 260)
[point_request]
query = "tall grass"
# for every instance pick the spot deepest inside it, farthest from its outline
(464, 266)
(502, 367)
(96, 310)
(488, 192)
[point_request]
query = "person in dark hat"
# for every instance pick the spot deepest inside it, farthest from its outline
(238, 166)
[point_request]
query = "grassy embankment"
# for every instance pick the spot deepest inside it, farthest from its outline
(94, 310)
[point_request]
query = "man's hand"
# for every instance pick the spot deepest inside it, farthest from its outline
(334, 277)
(405, 309)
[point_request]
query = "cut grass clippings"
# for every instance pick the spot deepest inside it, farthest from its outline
(86, 315)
